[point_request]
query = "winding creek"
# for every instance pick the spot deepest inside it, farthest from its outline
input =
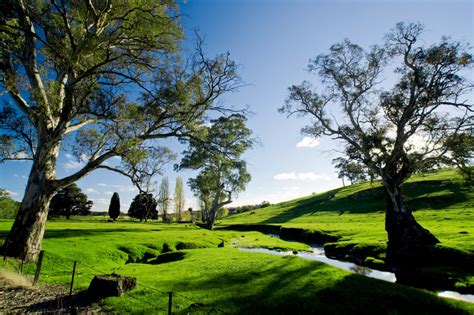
(317, 254)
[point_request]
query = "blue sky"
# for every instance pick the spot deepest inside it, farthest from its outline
(273, 40)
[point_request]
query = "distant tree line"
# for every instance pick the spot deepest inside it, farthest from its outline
(234, 210)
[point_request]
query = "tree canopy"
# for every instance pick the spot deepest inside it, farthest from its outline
(70, 201)
(393, 131)
(143, 207)
(222, 171)
(96, 80)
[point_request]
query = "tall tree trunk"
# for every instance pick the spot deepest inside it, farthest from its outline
(405, 234)
(211, 218)
(26, 235)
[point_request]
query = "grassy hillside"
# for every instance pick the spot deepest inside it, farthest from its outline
(208, 279)
(440, 200)
(186, 260)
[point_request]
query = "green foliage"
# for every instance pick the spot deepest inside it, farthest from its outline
(114, 206)
(217, 154)
(234, 210)
(80, 60)
(355, 172)
(143, 207)
(8, 206)
(461, 148)
(69, 201)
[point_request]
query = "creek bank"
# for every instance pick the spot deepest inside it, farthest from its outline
(436, 268)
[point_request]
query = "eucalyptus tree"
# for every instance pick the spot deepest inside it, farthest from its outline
(97, 79)
(394, 131)
(222, 171)
(353, 171)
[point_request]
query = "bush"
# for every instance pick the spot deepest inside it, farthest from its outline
(8, 206)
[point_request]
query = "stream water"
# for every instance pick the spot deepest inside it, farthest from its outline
(317, 253)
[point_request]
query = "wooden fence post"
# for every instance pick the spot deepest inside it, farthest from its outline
(170, 302)
(72, 278)
(38, 267)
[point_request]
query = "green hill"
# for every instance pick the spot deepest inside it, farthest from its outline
(350, 222)
(441, 201)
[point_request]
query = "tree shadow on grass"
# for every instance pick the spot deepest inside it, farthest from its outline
(67, 233)
(78, 303)
(434, 194)
(279, 289)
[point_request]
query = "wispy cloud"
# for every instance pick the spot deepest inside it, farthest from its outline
(90, 190)
(308, 176)
(74, 164)
(308, 142)
(12, 193)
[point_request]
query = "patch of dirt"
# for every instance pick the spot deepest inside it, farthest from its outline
(19, 296)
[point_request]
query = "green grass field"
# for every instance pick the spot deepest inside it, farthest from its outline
(441, 202)
(207, 279)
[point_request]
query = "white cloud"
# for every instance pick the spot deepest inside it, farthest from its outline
(90, 190)
(308, 142)
(73, 164)
(308, 176)
(11, 193)
(109, 193)
(102, 185)
(126, 188)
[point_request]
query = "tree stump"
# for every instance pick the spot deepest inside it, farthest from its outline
(110, 285)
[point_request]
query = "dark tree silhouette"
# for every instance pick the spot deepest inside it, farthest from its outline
(70, 201)
(114, 207)
(143, 207)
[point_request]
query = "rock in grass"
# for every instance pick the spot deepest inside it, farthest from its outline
(110, 285)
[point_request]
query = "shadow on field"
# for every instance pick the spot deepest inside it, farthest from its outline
(65, 233)
(79, 302)
(434, 194)
(278, 290)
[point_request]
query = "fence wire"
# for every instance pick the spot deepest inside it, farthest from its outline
(57, 260)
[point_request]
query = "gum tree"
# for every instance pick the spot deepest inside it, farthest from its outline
(97, 79)
(393, 131)
(222, 171)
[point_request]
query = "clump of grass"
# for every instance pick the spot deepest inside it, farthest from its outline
(15, 279)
